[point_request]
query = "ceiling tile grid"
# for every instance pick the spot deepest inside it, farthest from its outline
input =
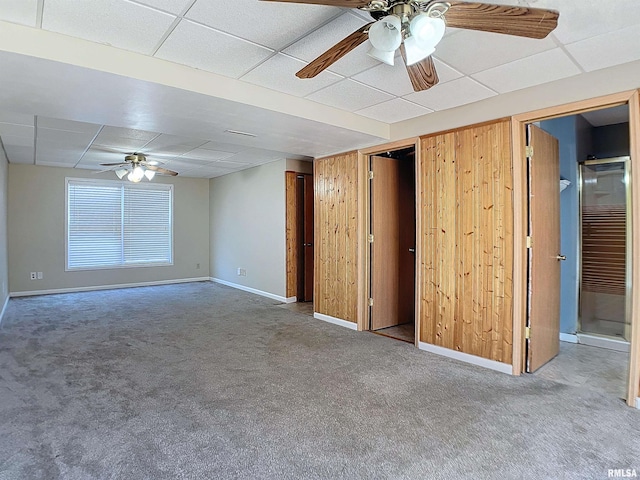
(265, 43)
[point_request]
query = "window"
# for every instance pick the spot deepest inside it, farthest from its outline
(113, 224)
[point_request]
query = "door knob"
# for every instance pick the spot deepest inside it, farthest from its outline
(561, 257)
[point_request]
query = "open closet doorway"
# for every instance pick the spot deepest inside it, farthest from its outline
(299, 190)
(392, 243)
(579, 299)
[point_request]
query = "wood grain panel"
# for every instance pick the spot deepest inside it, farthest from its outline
(336, 241)
(467, 225)
(291, 233)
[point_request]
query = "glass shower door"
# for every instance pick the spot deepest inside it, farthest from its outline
(604, 274)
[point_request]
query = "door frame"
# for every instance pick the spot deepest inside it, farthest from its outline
(520, 220)
(364, 254)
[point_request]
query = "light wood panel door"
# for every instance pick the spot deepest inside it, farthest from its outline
(336, 236)
(466, 241)
(544, 265)
(392, 256)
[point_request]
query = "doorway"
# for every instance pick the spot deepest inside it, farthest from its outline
(578, 304)
(392, 243)
(299, 234)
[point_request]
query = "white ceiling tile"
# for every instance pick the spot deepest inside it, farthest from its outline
(393, 111)
(126, 139)
(54, 163)
(48, 136)
(55, 154)
(255, 156)
(392, 79)
(16, 118)
(93, 158)
(266, 23)
(535, 70)
(472, 51)
(11, 129)
(68, 125)
(279, 73)
(172, 6)
(225, 147)
(17, 141)
(19, 11)
(207, 172)
(607, 50)
(320, 40)
(451, 94)
(581, 19)
(445, 72)
(202, 47)
(19, 153)
(349, 95)
(208, 155)
(171, 144)
(183, 163)
(113, 22)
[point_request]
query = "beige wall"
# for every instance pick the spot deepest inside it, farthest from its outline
(248, 227)
(300, 166)
(36, 228)
(4, 267)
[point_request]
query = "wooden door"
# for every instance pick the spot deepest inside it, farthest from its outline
(392, 254)
(544, 264)
(307, 229)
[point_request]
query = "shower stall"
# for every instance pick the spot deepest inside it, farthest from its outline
(605, 233)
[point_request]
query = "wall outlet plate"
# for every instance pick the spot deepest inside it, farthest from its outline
(33, 276)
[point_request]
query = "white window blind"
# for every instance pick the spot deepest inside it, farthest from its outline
(114, 224)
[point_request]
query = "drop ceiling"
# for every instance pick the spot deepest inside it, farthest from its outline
(254, 49)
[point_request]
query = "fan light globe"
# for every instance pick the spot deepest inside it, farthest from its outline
(149, 174)
(386, 57)
(427, 31)
(136, 175)
(414, 51)
(385, 34)
(121, 172)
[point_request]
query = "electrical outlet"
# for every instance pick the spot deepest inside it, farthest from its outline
(242, 272)
(33, 276)
(39, 275)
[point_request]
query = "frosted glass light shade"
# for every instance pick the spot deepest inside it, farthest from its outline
(121, 172)
(426, 30)
(149, 174)
(414, 51)
(386, 57)
(136, 175)
(385, 34)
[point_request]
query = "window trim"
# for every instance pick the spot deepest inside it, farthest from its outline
(111, 183)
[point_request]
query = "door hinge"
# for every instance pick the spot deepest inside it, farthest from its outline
(370, 174)
(529, 242)
(528, 151)
(527, 332)
(370, 238)
(371, 302)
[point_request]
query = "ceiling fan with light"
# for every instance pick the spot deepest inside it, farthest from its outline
(136, 167)
(417, 26)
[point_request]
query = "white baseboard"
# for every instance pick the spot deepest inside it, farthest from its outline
(467, 358)
(569, 338)
(335, 321)
(107, 287)
(291, 300)
(638, 403)
(272, 296)
(6, 302)
(603, 342)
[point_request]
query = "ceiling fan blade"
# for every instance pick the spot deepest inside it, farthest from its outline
(114, 164)
(509, 20)
(161, 170)
(332, 3)
(335, 53)
(423, 74)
